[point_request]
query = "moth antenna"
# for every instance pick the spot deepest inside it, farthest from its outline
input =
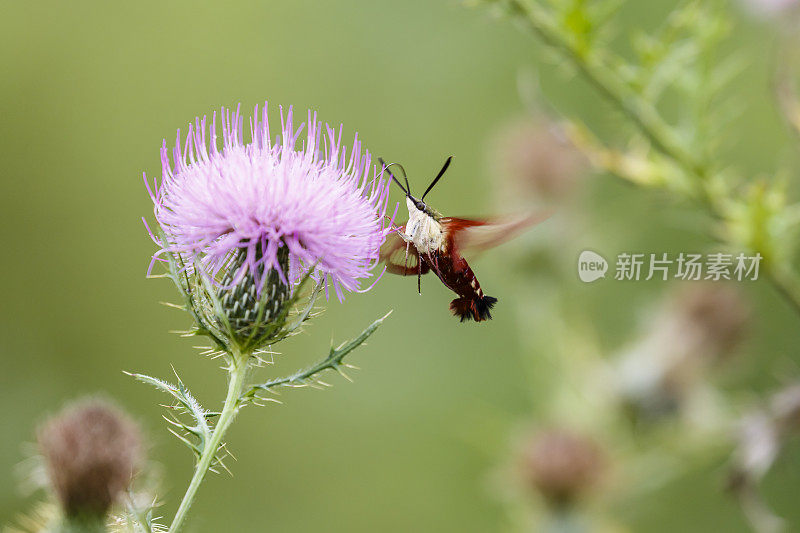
(405, 189)
(403, 170)
(438, 177)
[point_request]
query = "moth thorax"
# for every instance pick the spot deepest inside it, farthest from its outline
(247, 308)
(423, 230)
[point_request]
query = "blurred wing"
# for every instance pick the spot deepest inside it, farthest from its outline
(467, 235)
(400, 256)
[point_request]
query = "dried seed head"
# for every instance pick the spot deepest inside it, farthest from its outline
(91, 450)
(536, 161)
(562, 465)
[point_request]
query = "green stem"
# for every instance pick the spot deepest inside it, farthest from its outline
(235, 385)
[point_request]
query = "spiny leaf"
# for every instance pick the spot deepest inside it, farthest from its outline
(185, 403)
(177, 273)
(332, 362)
(211, 294)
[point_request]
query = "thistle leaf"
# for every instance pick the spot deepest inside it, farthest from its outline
(194, 436)
(306, 377)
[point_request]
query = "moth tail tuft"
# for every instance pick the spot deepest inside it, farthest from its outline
(476, 308)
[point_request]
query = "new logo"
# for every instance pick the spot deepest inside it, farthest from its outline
(591, 266)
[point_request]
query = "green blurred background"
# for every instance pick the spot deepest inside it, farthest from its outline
(89, 89)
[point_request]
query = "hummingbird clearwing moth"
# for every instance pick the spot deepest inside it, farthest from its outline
(431, 242)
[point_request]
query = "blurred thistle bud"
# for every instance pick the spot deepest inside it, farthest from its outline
(761, 436)
(698, 326)
(711, 317)
(562, 465)
(536, 161)
(761, 433)
(769, 8)
(785, 408)
(92, 451)
(244, 224)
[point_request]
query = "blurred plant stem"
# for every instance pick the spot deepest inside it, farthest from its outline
(237, 371)
(83, 524)
(719, 202)
(787, 283)
(565, 520)
(603, 78)
(786, 94)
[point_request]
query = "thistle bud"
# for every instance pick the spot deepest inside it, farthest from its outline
(92, 451)
(246, 311)
(562, 465)
(536, 161)
(713, 317)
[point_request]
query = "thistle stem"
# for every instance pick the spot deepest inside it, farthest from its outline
(235, 385)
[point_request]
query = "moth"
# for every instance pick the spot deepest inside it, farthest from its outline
(431, 242)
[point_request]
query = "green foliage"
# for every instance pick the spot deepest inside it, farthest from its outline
(241, 347)
(675, 70)
(241, 350)
(672, 87)
(193, 435)
(310, 375)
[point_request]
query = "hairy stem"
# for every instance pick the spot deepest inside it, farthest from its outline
(647, 120)
(235, 385)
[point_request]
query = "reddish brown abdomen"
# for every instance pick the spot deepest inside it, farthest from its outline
(457, 276)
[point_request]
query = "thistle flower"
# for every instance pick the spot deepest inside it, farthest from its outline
(260, 215)
(92, 451)
(562, 465)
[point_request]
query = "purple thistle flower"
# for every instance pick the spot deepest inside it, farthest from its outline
(250, 208)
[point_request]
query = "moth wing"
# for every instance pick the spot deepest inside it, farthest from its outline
(400, 256)
(472, 236)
